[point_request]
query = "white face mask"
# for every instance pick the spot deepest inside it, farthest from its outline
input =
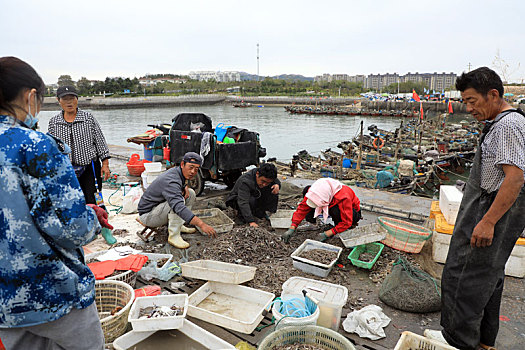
(31, 119)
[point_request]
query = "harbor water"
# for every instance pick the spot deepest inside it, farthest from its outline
(282, 134)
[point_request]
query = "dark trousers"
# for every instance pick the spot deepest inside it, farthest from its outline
(258, 205)
(472, 281)
(87, 182)
(266, 202)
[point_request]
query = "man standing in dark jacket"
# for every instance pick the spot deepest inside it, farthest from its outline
(255, 193)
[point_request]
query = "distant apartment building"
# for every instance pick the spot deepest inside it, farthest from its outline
(345, 77)
(219, 76)
(434, 81)
(146, 81)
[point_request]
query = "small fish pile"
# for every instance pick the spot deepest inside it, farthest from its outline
(321, 256)
(160, 311)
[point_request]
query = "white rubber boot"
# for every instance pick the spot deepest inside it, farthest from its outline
(185, 229)
(174, 228)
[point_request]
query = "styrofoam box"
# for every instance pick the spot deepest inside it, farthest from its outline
(155, 324)
(331, 297)
(514, 267)
(314, 267)
(282, 218)
(218, 271)
(231, 306)
(449, 200)
(412, 341)
(208, 340)
(153, 167)
(362, 235)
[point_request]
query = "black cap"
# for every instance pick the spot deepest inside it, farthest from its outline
(66, 90)
(193, 158)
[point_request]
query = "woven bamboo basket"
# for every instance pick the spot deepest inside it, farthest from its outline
(113, 300)
(129, 277)
(403, 235)
(321, 337)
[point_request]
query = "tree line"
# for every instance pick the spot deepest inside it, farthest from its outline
(266, 86)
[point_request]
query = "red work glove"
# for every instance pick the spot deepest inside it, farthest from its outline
(102, 216)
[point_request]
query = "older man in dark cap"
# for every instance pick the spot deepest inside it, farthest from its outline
(168, 200)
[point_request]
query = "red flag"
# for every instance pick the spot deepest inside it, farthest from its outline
(450, 110)
(421, 109)
(415, 96)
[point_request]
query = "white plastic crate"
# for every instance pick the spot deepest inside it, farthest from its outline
(153, 167)
(331, 297)
(314, 267)
(155, 324)
(218, 271)
(514, 267)
(202, 336)
(362, 235)
(449, 200)
(282, 218)
(213, 215)
(412, 341)
(231, 306)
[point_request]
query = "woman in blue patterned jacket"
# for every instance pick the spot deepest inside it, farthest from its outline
(46, 289)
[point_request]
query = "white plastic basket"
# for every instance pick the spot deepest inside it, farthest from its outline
(208, 340)
(218, 271)
(235, 307)
(412, 341)
(314, 267)
(363, 235)
(153, 167)
(282, 218)
(225, 224)
(155, 324)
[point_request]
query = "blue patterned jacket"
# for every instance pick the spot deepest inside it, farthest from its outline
(44, 221)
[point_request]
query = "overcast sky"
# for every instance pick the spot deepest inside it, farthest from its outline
(130, 38)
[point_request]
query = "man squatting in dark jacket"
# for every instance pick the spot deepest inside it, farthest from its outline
(255, 193)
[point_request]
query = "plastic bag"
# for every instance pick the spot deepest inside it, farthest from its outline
(367, 322)
(196, 127)
(130, 201)
(164, 273)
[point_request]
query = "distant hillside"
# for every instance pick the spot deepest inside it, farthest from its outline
(287, 77)
(293, 77)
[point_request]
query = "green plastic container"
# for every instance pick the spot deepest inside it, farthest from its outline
(373, 248)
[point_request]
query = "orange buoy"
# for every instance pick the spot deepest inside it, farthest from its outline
(381, 145)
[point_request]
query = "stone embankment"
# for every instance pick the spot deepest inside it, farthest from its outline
(50, 103)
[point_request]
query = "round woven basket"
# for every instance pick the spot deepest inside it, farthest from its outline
(321, 337)
(129, 277)
(113, 300)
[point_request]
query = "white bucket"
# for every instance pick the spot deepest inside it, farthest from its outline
(282, 321)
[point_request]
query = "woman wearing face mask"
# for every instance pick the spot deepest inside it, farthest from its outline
(82, 133)
(46, 290)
